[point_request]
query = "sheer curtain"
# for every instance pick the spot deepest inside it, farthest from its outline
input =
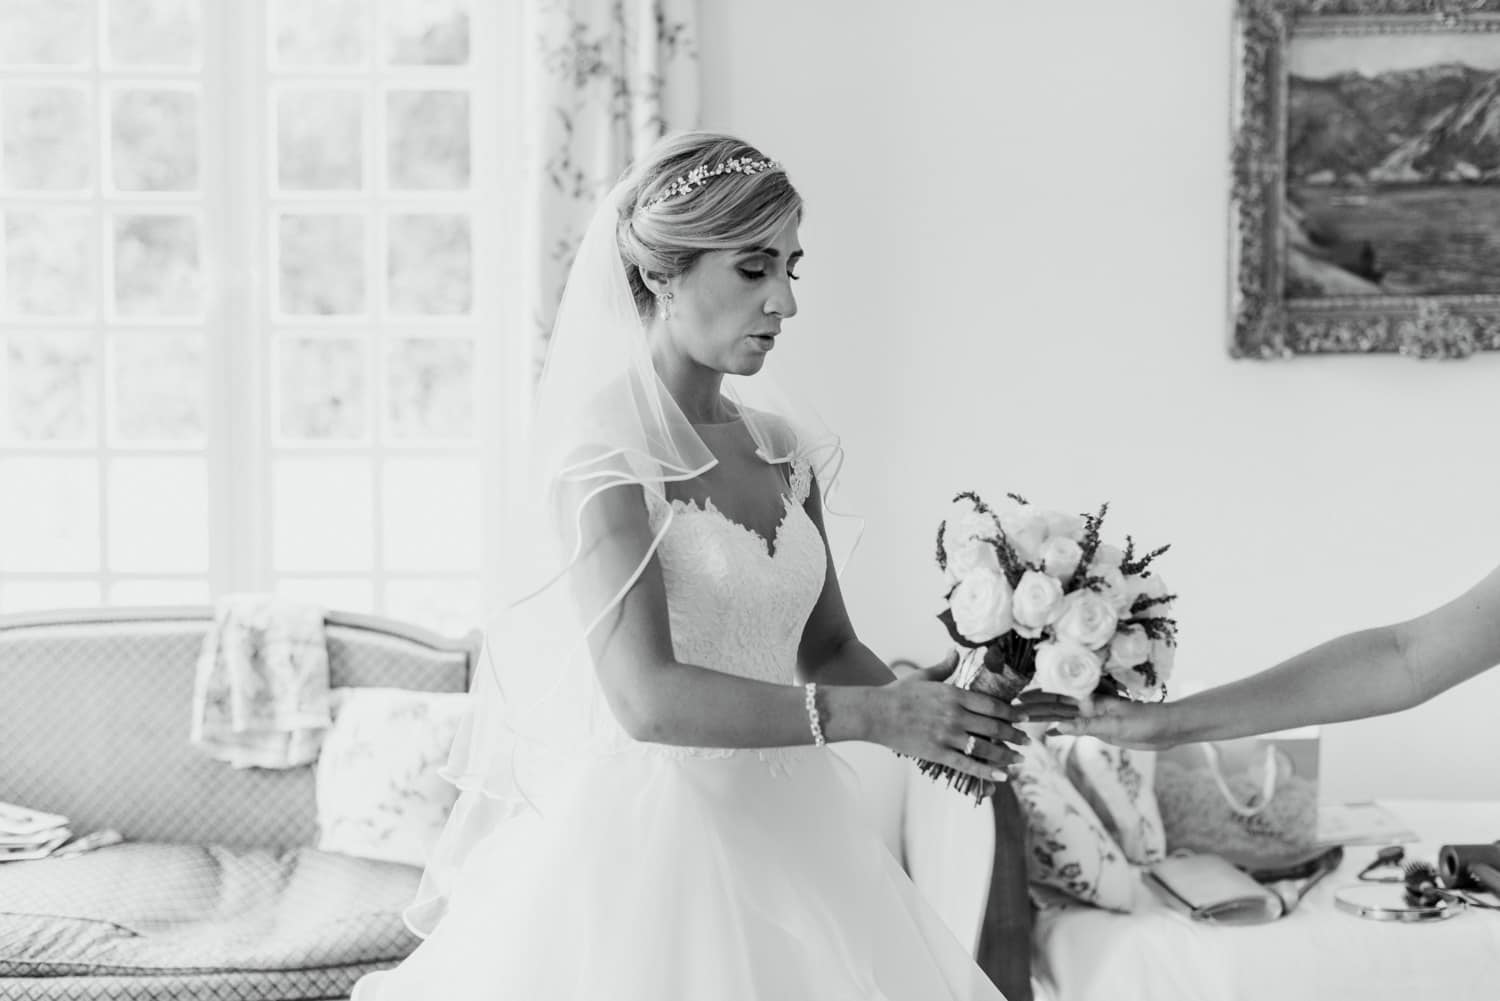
(607, 78)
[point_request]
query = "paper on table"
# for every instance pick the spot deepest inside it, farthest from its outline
(1361, 824)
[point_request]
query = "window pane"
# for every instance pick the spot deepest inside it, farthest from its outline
(431, 388)
(451, 607)
(345, 594)
(155, 140)
(45, 138)
(159, 592)
(47, 257)
(158, 515)
(323, 512)
(428, 138)
(322, 264)
(157, 265)
(50, 385)
(431, 514)
(158, 389)
(45, 32)
(320, 140)
(318, 32)
(429, 265)
(427, 32)
(153, 32)
(49, 514)
(321, 385)
(40, 595)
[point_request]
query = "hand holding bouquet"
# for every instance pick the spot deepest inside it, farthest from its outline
(1037, 600)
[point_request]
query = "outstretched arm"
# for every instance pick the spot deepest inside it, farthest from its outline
(1367, 673)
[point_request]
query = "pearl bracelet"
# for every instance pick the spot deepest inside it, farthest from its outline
(811, 688)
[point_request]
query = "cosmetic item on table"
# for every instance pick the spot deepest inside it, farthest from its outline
(1470, 867)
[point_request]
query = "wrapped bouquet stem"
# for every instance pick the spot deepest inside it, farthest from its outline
(1036, 599)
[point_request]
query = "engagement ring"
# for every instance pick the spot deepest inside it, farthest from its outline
(969, 746)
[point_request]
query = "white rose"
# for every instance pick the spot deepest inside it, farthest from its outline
(1069, 526)
(1037, 603)
(981, 606)
(1113, 588)
(1108, 556)
(964, 523)
(1087, 619)
(1066, 669)
(1163, 659)
(974, 554)
(1026, 528)
(1060, 556)
(1130, 647)
(1137, 585)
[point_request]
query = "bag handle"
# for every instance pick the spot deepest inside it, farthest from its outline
(1267, 786)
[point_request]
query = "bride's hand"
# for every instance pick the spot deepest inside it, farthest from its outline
(924, 718)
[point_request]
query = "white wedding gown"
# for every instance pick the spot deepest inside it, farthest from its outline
(699, 874)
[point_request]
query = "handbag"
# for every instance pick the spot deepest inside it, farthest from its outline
(1253, 800)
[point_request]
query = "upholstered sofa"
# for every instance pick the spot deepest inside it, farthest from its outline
(219, 891)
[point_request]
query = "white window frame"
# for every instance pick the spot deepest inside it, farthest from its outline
(236, 146)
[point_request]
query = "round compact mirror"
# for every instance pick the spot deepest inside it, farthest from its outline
(1388, 902)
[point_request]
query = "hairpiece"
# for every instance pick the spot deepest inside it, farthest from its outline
(700, 175)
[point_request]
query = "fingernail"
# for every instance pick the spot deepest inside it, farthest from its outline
(1023, 718)
(999, 776)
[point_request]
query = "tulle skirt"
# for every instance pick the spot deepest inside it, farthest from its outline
(751, 876)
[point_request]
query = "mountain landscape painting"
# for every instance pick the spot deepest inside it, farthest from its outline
(1392, 170)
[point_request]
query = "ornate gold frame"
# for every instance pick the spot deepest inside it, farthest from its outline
(1266, 324)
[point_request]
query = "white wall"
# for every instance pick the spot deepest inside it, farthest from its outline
(1016, 280)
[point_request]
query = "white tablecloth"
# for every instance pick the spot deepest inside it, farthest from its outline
(1317, 953)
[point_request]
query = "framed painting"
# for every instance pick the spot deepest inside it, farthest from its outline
(1366, 178)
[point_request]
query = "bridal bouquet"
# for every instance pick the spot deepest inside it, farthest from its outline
(1037, 600)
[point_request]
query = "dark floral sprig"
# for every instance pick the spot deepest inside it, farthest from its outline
(975, 499)
(1091, 525)
(1011, 563)
(1131, 565)
(1142, 603)
(1156, 627)
(942, 557)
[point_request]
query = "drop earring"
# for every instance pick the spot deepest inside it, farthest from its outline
(665, 301)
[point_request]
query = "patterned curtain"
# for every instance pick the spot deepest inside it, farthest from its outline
(610, 78)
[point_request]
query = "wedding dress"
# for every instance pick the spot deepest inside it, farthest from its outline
(698, 874)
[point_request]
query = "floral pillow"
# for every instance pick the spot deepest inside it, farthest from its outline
(1067, 846)
(1120, 785)
(379, 792)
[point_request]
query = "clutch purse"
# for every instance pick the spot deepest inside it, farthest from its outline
(1209, 889)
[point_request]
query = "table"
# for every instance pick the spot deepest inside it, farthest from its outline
(1316, 953)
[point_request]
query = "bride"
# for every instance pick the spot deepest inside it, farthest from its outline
(648, 809)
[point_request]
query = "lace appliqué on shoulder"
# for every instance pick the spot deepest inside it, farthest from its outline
(801, 480)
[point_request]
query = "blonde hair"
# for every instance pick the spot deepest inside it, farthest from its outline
(731, 211)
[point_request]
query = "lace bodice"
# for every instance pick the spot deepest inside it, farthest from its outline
(737, 601)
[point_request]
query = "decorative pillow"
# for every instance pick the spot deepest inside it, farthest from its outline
(1120, 785)
(1067, 847)
(378, 789)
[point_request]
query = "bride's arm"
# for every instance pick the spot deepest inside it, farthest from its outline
(830, 652)
(660, 699)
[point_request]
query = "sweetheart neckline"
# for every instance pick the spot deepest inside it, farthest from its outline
(770, 548)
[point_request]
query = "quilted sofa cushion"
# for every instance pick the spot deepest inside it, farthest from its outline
(144, 910)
